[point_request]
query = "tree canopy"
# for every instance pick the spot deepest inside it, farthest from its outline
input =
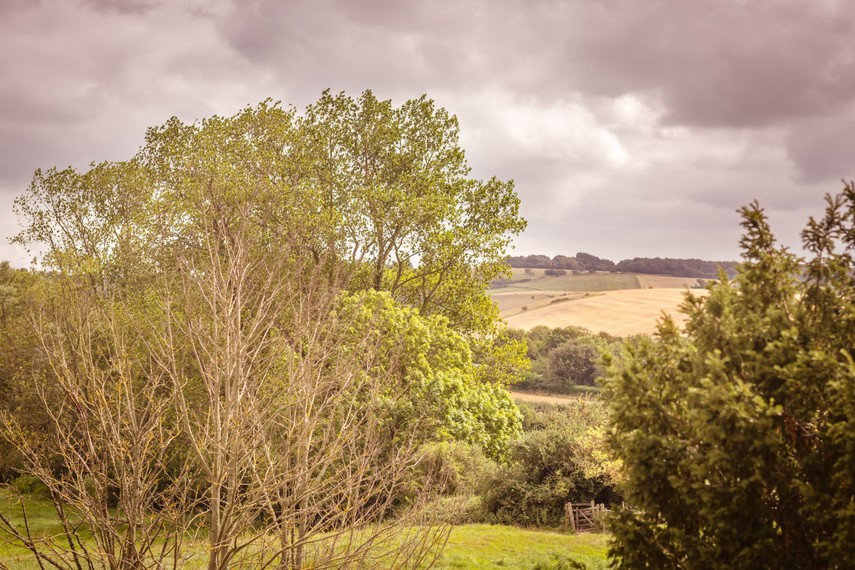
(738, 436)
(264, 316)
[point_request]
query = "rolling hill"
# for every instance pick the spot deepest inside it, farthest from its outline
(617, 303)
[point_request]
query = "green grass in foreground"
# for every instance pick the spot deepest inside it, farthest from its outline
(502, 547)
(470, 547)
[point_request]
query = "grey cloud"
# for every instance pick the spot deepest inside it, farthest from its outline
(127, 7)
(739, 100)
(9, 6)
(722, 62)
(712, 62)
(637, 228)
(822, 151)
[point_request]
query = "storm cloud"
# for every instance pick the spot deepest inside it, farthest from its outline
(630, 128)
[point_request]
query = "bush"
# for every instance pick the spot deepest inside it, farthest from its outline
(573, 363)
(560, 458)
(30, 486)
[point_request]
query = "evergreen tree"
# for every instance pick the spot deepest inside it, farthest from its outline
(738, 434)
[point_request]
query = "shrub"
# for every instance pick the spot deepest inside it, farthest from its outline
(573, 363)
(560, 458)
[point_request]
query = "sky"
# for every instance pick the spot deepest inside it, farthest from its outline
(631, 128)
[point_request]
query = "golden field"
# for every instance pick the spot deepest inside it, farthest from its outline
(621, 313)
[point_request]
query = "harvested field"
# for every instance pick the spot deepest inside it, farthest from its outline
(512, 302)
(620, 313)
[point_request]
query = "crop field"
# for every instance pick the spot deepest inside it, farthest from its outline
(554, 399)
(617, 303)
(512, 302)
(620, 313)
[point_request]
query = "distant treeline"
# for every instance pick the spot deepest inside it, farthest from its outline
(650, 265)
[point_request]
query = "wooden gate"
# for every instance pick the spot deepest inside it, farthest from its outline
(584, 517)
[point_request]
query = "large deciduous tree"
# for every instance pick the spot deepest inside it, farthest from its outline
(265, 316)
(738, 435)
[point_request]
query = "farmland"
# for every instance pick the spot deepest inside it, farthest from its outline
(617, 303)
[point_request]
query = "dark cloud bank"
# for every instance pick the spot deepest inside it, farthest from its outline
(630, 128)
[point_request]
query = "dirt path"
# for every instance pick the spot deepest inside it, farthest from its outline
(544, 398)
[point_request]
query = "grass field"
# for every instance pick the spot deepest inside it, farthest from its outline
(666, 281)
(470, 547)
(570, 283)
(488, 547)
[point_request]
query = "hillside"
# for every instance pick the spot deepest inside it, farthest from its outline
(617, 303)
(621, 313)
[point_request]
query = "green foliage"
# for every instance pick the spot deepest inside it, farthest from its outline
(19, 353)
(560, 458)
(573, 363)
(563, 359)
(436, 372)
(355, 191)
(738, 438)
(259, 280)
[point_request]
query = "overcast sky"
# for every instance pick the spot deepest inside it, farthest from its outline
(632, 128)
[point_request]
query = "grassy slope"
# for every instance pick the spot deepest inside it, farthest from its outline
(585, 282)
(617, 303)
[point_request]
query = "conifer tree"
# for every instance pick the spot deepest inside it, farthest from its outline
(738, 434)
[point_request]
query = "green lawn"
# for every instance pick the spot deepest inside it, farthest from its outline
(502, 547)
(475, 547)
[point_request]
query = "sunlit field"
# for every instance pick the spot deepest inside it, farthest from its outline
(620, 313)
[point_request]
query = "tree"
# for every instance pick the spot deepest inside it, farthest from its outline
(242, 257)
(574, 363)
(737, 438)
(560, 458)
(18, 350)
(397, 181)
(105, 448)
(594, 263)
